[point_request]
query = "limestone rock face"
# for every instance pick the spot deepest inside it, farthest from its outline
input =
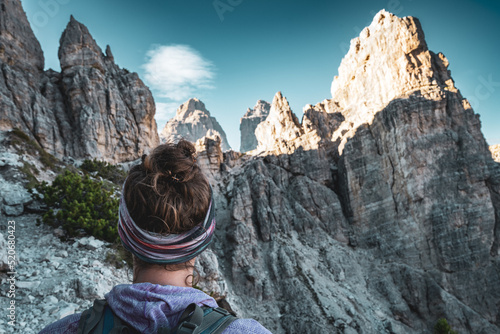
(192, 122)
(210, 155)
(495, 152)
(78, 48)
(379, 212)
(281, 131)
(249, 122)
(111, 108)
(22, 63)
(19, 47)
(388, 61)
(92, 109)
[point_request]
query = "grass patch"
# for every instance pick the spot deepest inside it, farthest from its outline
(105, 170)
(29, 171)
(25, 144)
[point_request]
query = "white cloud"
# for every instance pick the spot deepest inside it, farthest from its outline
(177, 72)
(165, 111)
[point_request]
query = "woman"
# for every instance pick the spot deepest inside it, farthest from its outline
(166, 219)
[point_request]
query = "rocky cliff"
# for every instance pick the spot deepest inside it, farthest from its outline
(192, 122)
(379, 212)
(249, 122)
(91, 109)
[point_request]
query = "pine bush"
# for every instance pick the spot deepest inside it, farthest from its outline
(79, 203)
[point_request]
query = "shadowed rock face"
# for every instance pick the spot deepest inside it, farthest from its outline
(378, 213)
(92, 109)
(249, 122)
(192, 122)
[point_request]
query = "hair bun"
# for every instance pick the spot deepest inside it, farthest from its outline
(187, 148)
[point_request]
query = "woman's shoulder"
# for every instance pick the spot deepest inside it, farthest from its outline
(246, 326)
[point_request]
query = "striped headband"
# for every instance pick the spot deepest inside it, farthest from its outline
(165, 248)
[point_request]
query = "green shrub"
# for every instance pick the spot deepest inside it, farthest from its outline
(442, 327)
(79, 203)
(29, 171)
(105, 170)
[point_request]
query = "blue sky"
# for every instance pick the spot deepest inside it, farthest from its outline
(236, 52)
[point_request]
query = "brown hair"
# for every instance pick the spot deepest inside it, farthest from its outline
(167, 193)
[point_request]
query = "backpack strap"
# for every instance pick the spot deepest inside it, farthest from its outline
(101, 319)
(206, 320)
(90, 321)
(216, 320)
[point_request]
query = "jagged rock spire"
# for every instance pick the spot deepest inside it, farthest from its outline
(110, 117)
(78, 47)
(279, 127)
(18, 44)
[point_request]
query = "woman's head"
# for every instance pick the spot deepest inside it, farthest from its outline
(168, 193)
(166, 210)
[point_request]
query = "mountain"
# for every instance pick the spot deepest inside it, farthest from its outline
(192, 122)
(249, 122)
(378, 213)
(91, 109)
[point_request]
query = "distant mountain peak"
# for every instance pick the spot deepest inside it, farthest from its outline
(249, 122)
(191, 106)
(193, 121)
(260, 109)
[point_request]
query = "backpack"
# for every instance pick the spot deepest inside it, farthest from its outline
(196, 320)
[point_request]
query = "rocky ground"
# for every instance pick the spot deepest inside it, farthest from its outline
(54, 278)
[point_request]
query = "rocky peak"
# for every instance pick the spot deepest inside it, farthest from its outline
(261, 109)
(78, 47)
(93, 109)
(389, 60)
(191, 107)
(109, 54)
(281, 111)
(192, 122)
(249, 122)
(280, 128)
(18, 44)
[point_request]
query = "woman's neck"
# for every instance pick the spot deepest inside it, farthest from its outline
(158, 275)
